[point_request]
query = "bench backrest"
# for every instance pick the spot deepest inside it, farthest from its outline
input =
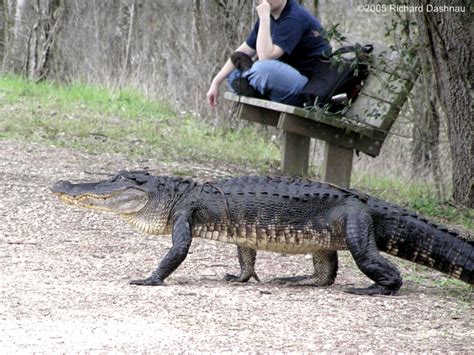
(385, 91)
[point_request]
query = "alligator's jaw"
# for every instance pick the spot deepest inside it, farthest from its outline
(121, 200)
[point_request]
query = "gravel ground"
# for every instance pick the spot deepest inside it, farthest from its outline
(65, 272)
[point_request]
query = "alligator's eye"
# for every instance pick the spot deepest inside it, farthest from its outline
(140, 180)
(119, 177)
(140, 177)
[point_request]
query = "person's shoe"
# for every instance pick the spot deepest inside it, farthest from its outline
(242, 87)
(241, 61)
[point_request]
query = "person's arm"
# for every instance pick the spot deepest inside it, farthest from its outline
(213, 92)
(265, 47)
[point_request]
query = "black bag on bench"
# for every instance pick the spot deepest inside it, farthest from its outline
(330, 80)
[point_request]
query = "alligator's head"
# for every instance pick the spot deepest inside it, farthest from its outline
(125, 193)
(147, 202)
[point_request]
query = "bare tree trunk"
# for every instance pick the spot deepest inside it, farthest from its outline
(448, 41)
(426, 131)
(16, 57)
(2, 30)
(45, 30)
(7, 20)
(36, 24)
(425, 153)
(127, 12)
(198, 28)
(316, 8)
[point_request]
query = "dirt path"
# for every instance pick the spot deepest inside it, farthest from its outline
(65, 271)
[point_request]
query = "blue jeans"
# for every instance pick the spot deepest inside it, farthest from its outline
(274, 79)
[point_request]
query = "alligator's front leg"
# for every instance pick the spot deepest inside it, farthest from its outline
(247, 263)
(181, 238)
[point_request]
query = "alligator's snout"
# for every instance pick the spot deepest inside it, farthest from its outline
(111, 196)
(66, 188)
(61, 187)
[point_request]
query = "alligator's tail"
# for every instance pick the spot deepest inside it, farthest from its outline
(411, 237)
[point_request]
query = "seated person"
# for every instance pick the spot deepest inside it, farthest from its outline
(288, 42)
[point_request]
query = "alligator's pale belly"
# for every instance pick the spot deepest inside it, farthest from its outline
(272, 238)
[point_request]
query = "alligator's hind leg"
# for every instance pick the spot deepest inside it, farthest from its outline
(325, 271)
(361, 242)
(247, 258)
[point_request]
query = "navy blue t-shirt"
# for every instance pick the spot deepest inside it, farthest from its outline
(299, 34)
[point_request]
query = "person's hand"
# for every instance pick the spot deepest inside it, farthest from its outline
(212, 95)
(264, 9)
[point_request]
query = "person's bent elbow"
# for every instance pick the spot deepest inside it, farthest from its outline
(275, 53)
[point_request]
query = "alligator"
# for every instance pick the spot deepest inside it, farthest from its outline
(278, 214)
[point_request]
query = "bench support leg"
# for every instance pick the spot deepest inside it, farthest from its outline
(337, 165)
(295, 154)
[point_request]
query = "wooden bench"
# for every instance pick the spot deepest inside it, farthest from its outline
(363, 127)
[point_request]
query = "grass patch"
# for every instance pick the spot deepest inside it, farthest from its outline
(123, 121)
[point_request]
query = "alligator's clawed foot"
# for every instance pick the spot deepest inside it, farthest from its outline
(147, 282)
(314, 280)
(243, 277)
(305, 280)
(375, 289)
